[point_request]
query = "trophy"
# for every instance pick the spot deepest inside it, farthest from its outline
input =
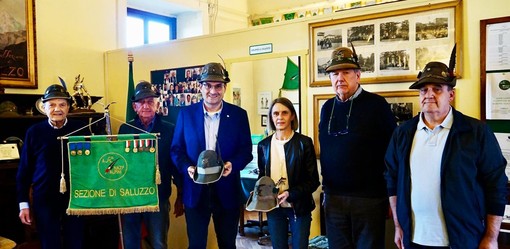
(82, 101)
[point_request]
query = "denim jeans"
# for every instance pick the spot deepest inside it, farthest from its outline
(278, 221)
(157, 227)
(355, 222)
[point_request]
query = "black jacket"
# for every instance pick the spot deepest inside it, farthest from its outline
(301, 170)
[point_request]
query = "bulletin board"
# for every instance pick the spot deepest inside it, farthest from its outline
(495, 73)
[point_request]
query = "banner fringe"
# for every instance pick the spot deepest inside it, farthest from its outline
(104, 211)
(63, 187)
(158, 176)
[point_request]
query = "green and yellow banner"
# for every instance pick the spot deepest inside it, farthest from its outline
(113, 177)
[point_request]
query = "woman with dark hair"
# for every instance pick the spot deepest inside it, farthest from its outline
(289, 159)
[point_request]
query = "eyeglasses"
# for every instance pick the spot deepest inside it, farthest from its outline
(344, 131)
(216, 87)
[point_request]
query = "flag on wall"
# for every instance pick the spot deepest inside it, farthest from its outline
(113, 176)
(130, 113)
(291, 80)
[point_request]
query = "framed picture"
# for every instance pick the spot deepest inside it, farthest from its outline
(391, 46)
(495, 72)
(318, 102)
(18, 62)
(263, 102)
(263, 120)
(404, 105)
(236, 96)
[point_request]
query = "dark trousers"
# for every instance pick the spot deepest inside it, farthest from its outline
(56, 229)
(157, 224)
(198, 218)
(279, 221)
(355, 222)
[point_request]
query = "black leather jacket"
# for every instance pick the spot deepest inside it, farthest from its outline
(301, 170)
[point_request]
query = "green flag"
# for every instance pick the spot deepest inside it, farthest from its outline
(130, 113)
(113, 176)
(291, 80)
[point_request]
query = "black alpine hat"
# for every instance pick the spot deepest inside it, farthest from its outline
(143, 90)
(56, 92)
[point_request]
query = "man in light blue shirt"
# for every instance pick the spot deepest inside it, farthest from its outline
(445, 172)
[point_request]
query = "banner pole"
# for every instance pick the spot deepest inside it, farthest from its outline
(110, 136)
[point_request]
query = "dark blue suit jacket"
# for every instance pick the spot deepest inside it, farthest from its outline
(234, 139)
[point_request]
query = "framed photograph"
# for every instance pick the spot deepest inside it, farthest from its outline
(404, 105)
(263, 102)
(17, 46)
(318, 102)
(391, 46)
(263, 120)
(236, 96)
(495, 72)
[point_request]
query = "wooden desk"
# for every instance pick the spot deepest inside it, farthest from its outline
(6, 243)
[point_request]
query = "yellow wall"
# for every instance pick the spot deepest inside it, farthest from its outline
(71, 38)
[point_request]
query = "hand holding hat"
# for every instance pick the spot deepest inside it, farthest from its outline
(209, 168)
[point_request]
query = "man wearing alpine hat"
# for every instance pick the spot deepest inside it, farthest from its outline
(354, 129)
(445, 172)
(145, 102)
(212, 124)
(40, 168)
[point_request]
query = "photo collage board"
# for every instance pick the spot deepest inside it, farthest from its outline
(177, 87)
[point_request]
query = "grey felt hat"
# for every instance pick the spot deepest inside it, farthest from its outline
(209, 167)
(435, 73)
(264, 197)
(214, 72)
(438, 73)
(343, 58)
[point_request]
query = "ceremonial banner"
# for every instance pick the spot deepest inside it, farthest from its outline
(113, 177)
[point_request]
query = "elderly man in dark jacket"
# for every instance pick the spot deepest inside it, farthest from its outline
(145, 103)
(445, 173)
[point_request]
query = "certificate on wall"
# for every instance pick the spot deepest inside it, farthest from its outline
(498, 96)
(498, 49)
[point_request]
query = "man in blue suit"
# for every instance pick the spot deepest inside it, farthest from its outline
(210, 125)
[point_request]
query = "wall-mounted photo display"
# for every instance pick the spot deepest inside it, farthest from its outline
(177, 87)
(391, 46)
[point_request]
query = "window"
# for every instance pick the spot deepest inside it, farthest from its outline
(146, 28)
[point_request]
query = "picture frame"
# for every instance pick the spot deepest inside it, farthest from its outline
(392, 46)
(18, 68)
(263, 120)
(398, 100)
(495, 71)
(263, 102)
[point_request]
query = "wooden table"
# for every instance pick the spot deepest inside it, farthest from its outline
(6, 243)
